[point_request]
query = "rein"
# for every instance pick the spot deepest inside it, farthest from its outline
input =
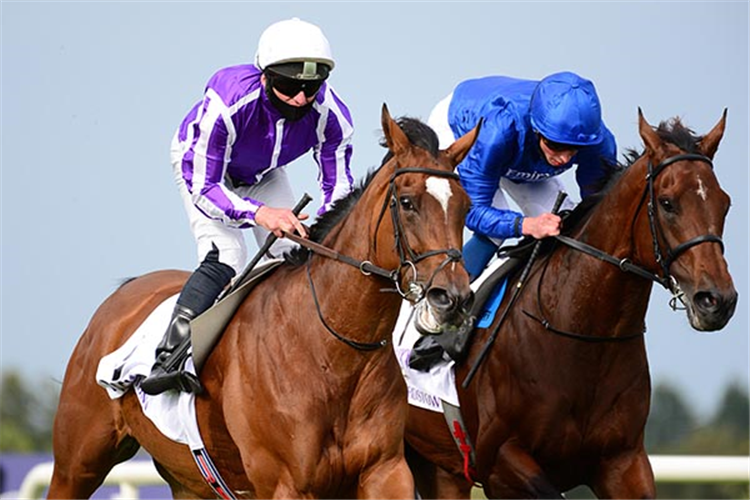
(516, 292)
(666, 280)
(624, 264)
(542, 319)
(407, 257)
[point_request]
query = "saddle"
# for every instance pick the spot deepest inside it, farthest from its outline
(206, 329)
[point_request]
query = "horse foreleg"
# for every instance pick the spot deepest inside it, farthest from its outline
(448, 485)
(434, 482)
(516, 474)
(625, 476)
(390, 479)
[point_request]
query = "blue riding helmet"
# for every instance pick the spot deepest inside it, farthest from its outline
(566, 109)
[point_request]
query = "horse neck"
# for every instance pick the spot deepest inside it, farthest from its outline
(618, 227)
(611, 226)
(347, 289)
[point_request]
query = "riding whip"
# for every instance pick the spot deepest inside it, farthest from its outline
(177, 358)
(516, 291)
(270, 240)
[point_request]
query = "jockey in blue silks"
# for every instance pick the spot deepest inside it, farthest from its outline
(229, 157)
(532, 131)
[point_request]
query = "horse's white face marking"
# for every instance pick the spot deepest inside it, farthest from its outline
(440, 189)
(702, 190)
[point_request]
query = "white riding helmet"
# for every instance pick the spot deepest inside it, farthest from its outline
(293, 40)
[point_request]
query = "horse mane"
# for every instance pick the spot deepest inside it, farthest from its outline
(672, 131)
(419, 134)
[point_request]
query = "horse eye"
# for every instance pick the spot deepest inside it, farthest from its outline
(406, 203)
(666, 205)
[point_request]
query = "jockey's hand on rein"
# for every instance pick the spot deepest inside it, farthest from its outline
(542, 226)
(278, 220)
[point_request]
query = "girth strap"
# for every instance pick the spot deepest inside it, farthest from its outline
(461, 437)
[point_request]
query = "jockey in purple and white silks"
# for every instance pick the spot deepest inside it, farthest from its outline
(229, 156)
(532, 131)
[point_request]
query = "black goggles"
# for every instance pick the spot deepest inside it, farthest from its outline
(559, 146)
(290, 87)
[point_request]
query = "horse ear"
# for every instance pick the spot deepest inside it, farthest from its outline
(710, 142)
(651, 139)
(457, 151)
(395, 138)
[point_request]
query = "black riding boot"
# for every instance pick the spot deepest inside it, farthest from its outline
(199, 293)
(161, 378)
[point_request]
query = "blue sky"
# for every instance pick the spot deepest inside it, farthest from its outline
(93, 91)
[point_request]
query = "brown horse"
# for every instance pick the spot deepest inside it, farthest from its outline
(562, 397)
(303, 397)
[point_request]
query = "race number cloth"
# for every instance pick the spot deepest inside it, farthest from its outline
(425, 389)
(172, 412)
(429, 389)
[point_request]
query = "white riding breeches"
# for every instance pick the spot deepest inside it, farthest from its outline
(438, 121)
(274, 190)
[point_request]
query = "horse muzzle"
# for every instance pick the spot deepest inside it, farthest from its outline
(709, 310)
(442, 309)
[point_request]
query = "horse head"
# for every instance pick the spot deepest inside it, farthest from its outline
(686, 213)
(427, 208)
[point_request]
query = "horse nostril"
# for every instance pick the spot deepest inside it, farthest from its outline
(440, 300)
(706, 301)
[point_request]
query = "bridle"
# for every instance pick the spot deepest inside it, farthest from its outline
(665, 257)
(408, 258)
(656, 230)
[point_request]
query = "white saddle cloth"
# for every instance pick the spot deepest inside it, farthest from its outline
(428, 389)
(425, 389)
(172, 412)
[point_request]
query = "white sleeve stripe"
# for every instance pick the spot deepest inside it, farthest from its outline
(216, 213)
(216, 110)
(342, 186)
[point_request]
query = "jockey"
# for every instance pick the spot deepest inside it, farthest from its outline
(229, 156)
(532, 131)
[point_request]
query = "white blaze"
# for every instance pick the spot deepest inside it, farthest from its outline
(440, 189)
(702, 190)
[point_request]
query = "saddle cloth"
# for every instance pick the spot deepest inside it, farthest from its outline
(172, 412)
(430, 389)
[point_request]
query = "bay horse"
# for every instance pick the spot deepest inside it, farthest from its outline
(303, 396)
(562, 397)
